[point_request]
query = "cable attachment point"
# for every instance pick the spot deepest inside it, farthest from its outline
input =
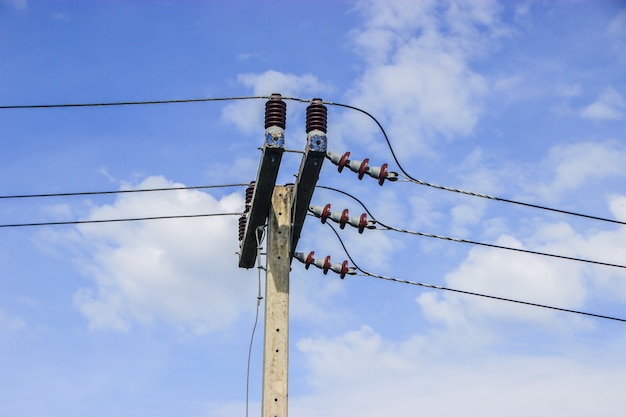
(343, 218)
(316, 122)
(325, 265)
(275, 121)
(381, 173)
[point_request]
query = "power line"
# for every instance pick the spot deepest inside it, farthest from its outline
(460, 191)
(458, 240)
(181, 216)
(492, 297)
(71, 194)
(129, 103)
(393, 154)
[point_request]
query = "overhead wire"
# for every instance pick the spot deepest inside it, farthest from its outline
(130, 103)
(138, 190)
(460, 191)
(408, 176)
(476, 294)
(134, 219)
(472, 242)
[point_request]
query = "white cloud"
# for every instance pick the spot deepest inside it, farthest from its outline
(181, 272)
(574, 165)
(362, 373)
(610, 105)
(508, 275)
(417, 76)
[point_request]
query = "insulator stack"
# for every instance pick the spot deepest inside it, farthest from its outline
(325, 265)
(275, 112)
(316, 116)
(243, 220)
(242, 225)
(343, 218)
(381, 173)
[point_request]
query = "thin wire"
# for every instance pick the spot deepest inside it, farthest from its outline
(460, 191)
(256, 318)
(492, 297)
(130, 103)
(458, 240)
(182, 216)
(393, 154)
(72, 194)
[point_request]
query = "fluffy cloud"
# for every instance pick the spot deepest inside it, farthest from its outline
(610, 105)
(362, 373)
(179, 271)
(574, 165)
(417, 76)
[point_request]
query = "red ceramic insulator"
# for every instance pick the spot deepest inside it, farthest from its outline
(344, 218)
(363, 167)
(362, 222)
(250, 192)
(275, 112)
(309, 260)
(343, 161)
(344, 269)
(325, 213)
(383, 174)
(326, 266)
(316, 116)
(242, 226)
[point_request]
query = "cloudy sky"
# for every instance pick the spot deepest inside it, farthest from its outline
(523, 100)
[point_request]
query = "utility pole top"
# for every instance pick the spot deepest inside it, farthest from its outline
(314, 155)
(273, 148)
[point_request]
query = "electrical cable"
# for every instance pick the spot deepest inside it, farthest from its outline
(130, 103)
(492, 297)
(256, 318)
(330, 103)
(72, 194)
(459, 240)
(460, 191)
(181, 216)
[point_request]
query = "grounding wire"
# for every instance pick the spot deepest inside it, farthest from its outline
(492, 297)
(181, 216)
(144, 190)
(256, 317)
(459, 240)
(460, 191)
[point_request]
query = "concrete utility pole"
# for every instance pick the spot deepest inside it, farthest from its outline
(286, 213)
(276, 350)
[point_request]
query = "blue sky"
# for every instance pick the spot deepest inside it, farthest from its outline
(521, 100)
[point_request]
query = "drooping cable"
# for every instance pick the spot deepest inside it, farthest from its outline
(144, 190)
(472, 242)
(460, 191)
(492, 297)
(256, 317)
(180, 216)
